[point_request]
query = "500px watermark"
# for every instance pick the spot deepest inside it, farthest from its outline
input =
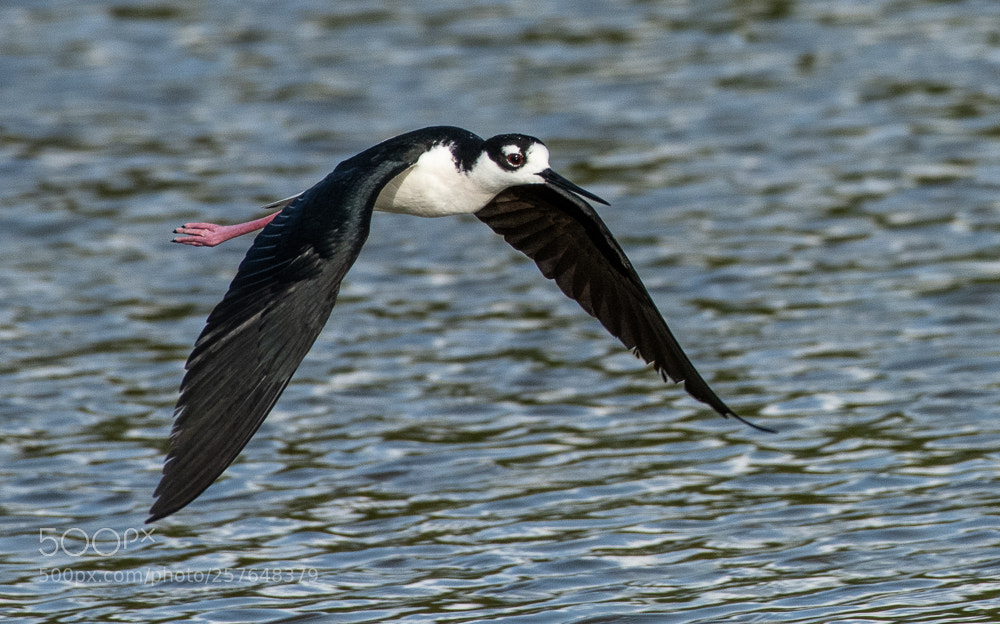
(105, 542)
(213, 576)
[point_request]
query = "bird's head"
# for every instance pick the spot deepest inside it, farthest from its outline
(514, 159)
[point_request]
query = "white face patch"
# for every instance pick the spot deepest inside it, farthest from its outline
(493, 178)
(537, 159)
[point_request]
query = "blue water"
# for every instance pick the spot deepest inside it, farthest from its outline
(809, 190)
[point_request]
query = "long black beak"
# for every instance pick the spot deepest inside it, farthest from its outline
(553, 178)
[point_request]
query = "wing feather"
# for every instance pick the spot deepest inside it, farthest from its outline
(256, 337)
(571, 245)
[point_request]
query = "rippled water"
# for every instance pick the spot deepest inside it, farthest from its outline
(809, 190)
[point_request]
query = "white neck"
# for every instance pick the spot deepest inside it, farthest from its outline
(434, 187)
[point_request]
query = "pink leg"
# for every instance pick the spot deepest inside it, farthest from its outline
(210, 234)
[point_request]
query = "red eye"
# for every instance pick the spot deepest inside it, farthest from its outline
(516, 159)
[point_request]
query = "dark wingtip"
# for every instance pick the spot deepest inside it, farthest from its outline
(698, 389)
(157, 514)
(750, 424)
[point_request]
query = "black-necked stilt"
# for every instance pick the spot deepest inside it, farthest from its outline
(288, 282)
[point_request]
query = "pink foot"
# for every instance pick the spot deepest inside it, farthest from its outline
(210, 234)
(202, 234)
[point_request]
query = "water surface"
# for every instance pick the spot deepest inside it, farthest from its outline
(807, 188)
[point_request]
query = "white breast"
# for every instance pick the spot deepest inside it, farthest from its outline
(433, 187)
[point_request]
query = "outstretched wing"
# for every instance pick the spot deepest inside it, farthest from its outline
(571, 245)
(259, 333)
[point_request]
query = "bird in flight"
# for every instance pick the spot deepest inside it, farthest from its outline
(286, 286)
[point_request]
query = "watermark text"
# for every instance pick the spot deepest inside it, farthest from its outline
(161, 574)
(104, 542)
